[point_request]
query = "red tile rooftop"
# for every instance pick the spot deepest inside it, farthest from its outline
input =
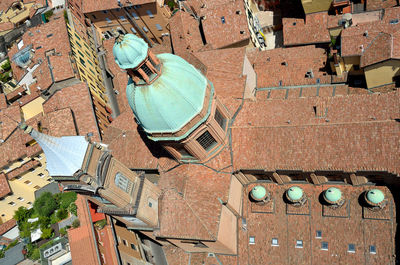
(350, 224)
(352, 133)
(81, 240)
(378, 4)
(185, 33)
(88, 6)
(4, 227)
(6, 26)
(45, 38)
(225, 25)
(198, 211)
(290, 66)
(4, 188)
(311, 30)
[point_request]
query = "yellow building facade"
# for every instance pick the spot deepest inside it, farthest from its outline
(89, 71)
(313, 6)
(23, 186)
(383, 73)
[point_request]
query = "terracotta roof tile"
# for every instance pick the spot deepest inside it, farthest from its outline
(201, 208)
(44, 38)
(339, 231)
(76, 98)
(185, 33)
(3, 103)
(225, 25)
(4, 227)
(312, 30)
(4, 187)
(25, 167)
(378, 4)
(378, 50)
(81, 239)
(60, 123)
(6, 26)
(88, 6)
(289, 66)
(355, 130)
(126, 143)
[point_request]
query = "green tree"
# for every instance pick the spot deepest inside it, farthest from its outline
(62, 214)
(76, 223)
(44, 221)
(25, 230)
(72, 208)
(45, 204)
(48, 14)
(6, 66)
(66, 198)
(22, 214)
(46, 233)
(63, 231)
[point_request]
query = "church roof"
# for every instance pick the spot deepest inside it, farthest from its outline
(172, 100)
(64, 155)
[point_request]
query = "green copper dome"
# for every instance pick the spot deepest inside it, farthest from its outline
(375, 196)
(258, 192)
(172, 100)
(295, 193)
(129, 51)
(333, 194)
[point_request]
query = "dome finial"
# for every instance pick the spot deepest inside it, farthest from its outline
(129, 51)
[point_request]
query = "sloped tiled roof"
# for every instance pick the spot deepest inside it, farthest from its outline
(81, 240)
(4, 187)
(378, 50)
(311, 30)
(4, 227)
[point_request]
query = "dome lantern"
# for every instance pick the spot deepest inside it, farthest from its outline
(333, 196)
(259, 194)
(296, 195)
(375, 198)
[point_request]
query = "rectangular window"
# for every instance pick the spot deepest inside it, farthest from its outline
(351, 248)
(146, 70)
(206, 141)
(11, 203)
(133, 30)
(108, 20)
(158, 26)
(21, 199)
(105, 11)
(133, 246)
(145, 29)
(135, 16)
(149, 13)
(324, 245)
(37, 187)
(220, 119)
(274, 242)
(318, 234)
(299, 243)
(124, 241)
(28, 182)
(122, 18)
(372, 249)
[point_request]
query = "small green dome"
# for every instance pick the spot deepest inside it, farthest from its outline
(375, 196)
(295, 193)
(333, 194)
(129, 51)
(258, 192)
(172, 100)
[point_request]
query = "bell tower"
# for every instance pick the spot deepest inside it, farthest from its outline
(172, 101)
(89, 168)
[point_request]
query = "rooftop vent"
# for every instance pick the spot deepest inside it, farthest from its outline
(394, 21)
(365, 33)
(296, 196)
(309, 74)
